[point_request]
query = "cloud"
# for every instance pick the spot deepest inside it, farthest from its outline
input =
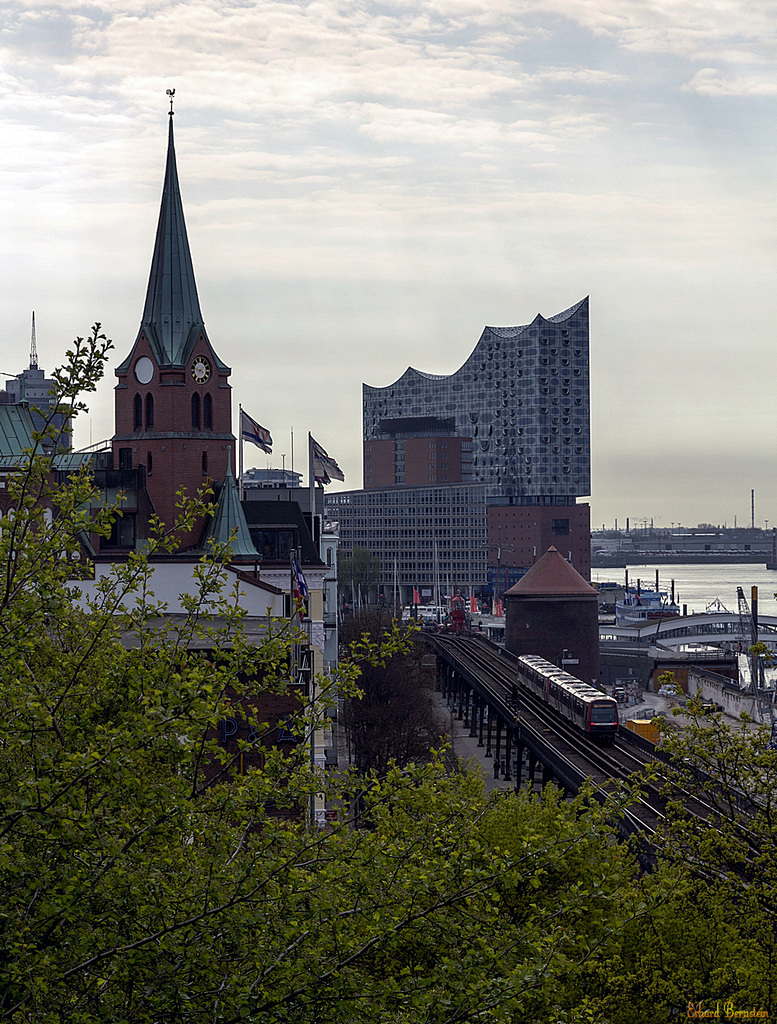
(367, 184)
(694, 29)
(713, 82)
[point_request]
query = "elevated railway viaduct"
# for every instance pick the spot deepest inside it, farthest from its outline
(480, 683)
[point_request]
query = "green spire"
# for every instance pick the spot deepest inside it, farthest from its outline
(172, 310)
(229, 519)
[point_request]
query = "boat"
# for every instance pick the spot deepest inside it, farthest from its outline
(639, 606)
(426, 613)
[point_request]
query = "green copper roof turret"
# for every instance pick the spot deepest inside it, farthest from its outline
(230, 519)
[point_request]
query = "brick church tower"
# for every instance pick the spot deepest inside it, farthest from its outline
(173, 397)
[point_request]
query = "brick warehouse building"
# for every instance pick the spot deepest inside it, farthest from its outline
(470, 477)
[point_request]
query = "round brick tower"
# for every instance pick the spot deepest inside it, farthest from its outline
(553, 612)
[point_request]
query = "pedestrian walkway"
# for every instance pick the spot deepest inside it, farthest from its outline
(466, 748)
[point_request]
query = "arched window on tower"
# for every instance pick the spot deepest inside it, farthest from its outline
(138, 413)
(207, 413)
(149, 411)
(195, 411)
(149, 464)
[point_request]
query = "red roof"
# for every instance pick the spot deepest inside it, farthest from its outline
(552, 574)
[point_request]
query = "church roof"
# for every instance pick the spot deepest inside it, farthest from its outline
(230, 520)
(551, 575)
(172, 319)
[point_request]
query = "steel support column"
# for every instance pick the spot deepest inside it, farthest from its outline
(508, 753)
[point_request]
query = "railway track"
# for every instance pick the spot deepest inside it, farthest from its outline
(604, 766)
(496, 675)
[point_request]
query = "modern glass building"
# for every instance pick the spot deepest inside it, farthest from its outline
(522, 398)
(481, 469)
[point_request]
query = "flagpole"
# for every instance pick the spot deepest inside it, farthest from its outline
(312, 486)
(241, 492)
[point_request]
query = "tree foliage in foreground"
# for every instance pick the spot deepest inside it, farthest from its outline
(139, 885)
(711, 937)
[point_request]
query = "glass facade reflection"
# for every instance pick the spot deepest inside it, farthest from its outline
(511, 427)
(523, 398)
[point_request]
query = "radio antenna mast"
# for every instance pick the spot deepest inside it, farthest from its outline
(33, 347)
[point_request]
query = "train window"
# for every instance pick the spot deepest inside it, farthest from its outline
(603, 712)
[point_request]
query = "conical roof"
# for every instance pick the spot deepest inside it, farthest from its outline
(172, 308)
(172, 321)
(551, 575)
(230, 519)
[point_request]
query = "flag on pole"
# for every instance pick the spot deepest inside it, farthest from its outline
(416, 596)
(251, 431)
(473, 605)
(325, 469)
(299, 588)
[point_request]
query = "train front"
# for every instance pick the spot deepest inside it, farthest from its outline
(602, 721)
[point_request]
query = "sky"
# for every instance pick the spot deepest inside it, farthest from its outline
(367, 185)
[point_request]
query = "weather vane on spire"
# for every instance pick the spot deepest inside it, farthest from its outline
(171, 94)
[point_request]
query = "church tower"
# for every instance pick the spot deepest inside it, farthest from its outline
(173, 398)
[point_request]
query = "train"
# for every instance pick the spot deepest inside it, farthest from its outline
(585, 706)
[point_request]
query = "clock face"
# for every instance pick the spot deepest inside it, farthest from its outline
(144, 370)
(200, 369)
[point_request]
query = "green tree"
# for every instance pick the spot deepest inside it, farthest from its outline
(359, 571)
(394, 718)
(711, 935)
(143, 879)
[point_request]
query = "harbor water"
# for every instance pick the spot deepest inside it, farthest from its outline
(699, 585)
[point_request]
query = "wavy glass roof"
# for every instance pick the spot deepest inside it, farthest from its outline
(522, 396)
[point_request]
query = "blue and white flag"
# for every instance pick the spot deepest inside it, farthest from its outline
(325, 469)
(299, 587)
(253, 432)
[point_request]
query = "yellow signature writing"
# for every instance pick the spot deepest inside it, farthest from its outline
(724, 1011)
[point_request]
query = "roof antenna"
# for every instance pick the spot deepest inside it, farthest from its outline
(33, 347)
(171, 94)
